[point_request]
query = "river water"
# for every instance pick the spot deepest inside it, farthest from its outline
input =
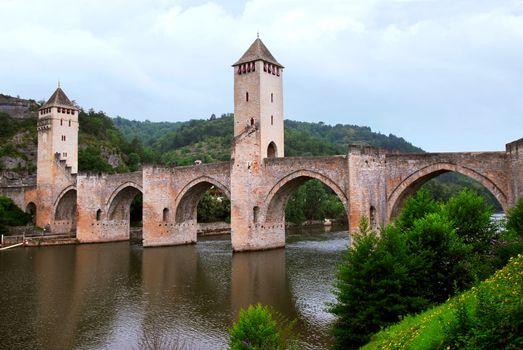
(121, 296)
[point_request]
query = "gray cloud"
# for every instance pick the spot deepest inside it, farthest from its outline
(444, 74)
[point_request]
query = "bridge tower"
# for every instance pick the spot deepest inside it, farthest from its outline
(57, 155)
(258, 134)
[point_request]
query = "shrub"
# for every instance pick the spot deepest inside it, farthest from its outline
(515, 218)
(373, 286)
(11, 214)
(416, 207)
(260, 328)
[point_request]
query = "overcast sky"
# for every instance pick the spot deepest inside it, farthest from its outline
(447, 75)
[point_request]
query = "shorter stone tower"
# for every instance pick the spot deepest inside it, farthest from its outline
(57, 153)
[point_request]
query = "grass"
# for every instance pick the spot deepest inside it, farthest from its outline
(428, 330)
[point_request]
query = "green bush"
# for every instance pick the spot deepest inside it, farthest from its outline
(488, 316)
(11, 214)
(373, 286)
(431, 252)
(260, 328)
(515, 218)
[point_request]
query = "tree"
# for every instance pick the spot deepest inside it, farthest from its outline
(515, 218)
(260, 328)
(373, 287)
(471, 216)
(11, 214)
(415, 208)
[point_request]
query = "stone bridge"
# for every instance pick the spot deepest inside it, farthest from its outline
(259, 179)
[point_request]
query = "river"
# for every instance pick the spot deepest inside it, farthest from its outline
(121, 296)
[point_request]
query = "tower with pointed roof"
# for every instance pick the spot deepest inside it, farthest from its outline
(258, 99)
(57, 159)
(258, 135)
(58, 131)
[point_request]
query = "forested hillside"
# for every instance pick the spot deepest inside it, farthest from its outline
(210, 140)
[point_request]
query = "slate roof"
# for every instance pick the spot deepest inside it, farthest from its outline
(59, 98)
(257, 51)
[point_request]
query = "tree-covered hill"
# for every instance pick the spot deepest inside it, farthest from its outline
(210, 140)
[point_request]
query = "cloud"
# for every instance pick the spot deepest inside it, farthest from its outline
(439, 73)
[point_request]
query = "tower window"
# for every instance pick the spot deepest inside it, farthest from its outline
(252, 121)
(98, 214)
(165, 215)
(272, 120)
(69, 123)
(68, 111)
(272, 97)
(247, 96)
(255, 214)
(61, 122)
(253, 67)
(72, 112)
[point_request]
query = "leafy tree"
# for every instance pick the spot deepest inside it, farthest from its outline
(444, 259)
(471, 216)
(11, 214)
(416, 207)
(373, 287)
(515, 218)
(428, 254)
(214, 206)
(260, 328)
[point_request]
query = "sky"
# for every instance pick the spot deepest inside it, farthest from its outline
(446, 75)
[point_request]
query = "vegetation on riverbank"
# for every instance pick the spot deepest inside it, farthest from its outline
(432, 251)
(489, 316)
(11, 215)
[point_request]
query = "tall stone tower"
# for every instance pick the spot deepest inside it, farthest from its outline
(57, 153)
(258, 134)
(258, 99)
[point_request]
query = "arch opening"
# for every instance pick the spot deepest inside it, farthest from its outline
(204, 202)
(31, 210)
(66, 207)
(126, 205)
(443, 184)
(272, 151)
(308, 200)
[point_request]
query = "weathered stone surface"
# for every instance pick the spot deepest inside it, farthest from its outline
(368, 181)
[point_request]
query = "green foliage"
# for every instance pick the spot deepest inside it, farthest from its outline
(444, 259)
(11, 214)
(90, 159)
(214, 206)
(373, 286)
(515, 218)
(489, 316)
(432, 251)
(314, 201)
(471, 215)
(416, 207)
(444, 186)
(260, 328)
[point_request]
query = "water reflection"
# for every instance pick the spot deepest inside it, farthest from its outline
(121, 296)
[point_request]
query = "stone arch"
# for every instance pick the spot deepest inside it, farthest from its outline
(272, 150)
(119, 202)
(31, 209)
(186, 202)
(415, 180)
(281, 192)
(65, 205)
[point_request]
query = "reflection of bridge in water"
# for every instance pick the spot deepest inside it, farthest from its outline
(259, 179)
(112, 295)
